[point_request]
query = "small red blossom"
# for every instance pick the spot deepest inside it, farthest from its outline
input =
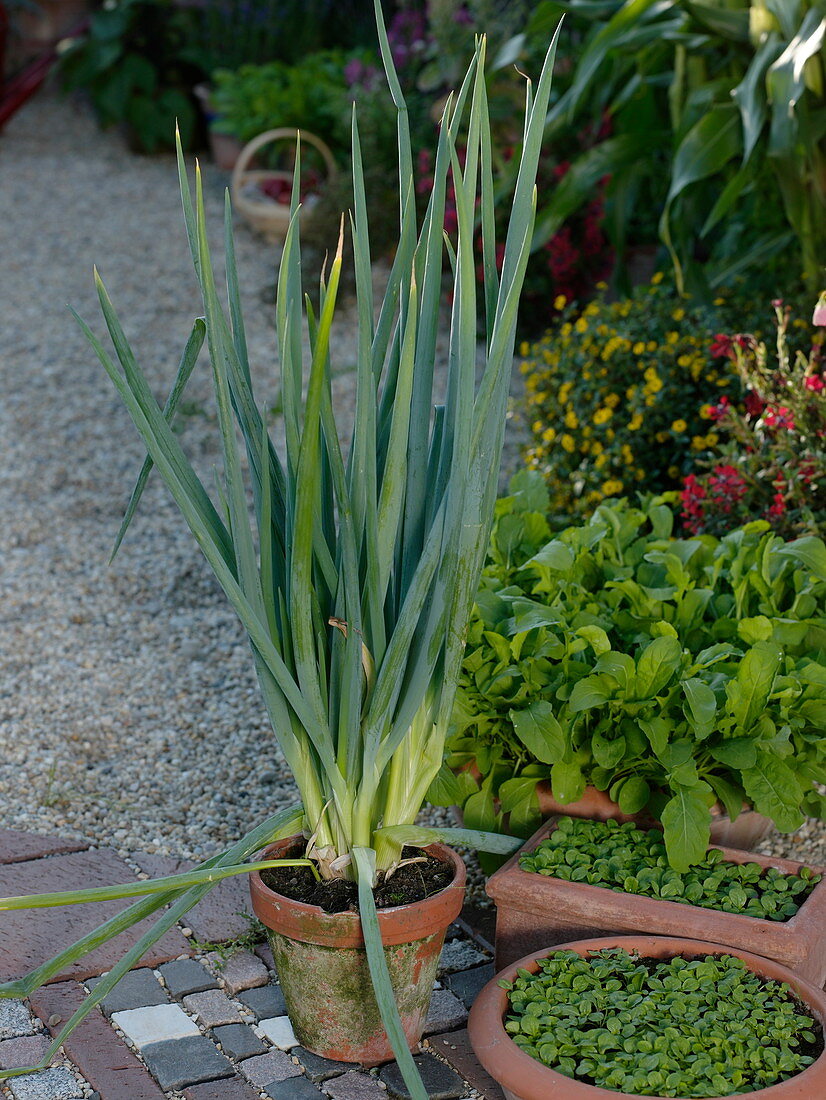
(778, 416)
(778, 508)
(814, 382)
(718, 411)
(754, 403)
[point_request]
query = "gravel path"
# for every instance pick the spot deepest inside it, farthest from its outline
(129, 713)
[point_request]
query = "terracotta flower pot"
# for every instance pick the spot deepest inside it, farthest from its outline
(525, 1078)
(322, 964)
(534, 911)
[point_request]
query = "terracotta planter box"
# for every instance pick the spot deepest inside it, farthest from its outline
(746, 831)
(525, 1078)
(535, 911)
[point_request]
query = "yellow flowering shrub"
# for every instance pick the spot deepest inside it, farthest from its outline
(625, 388)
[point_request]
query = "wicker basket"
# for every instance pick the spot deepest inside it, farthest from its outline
(265, 215)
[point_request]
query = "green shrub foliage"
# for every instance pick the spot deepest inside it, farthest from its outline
(669, 672)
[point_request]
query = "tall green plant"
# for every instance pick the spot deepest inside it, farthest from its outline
(732, 96)
(356, 578)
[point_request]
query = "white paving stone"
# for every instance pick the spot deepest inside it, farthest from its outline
(155, 1023)
(15, 1019)
(56, 1083)
(279, 1031)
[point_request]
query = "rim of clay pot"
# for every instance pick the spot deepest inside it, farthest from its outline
(399, 924)
(529, 1079)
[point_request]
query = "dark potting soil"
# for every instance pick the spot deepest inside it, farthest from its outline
(409, 883)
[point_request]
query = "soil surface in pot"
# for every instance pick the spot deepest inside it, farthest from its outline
(639, 1026)
(409, 883)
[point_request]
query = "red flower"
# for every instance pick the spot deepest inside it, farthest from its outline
(778, 416)
(754, 403)
(717, 412)
(722, 346)
(814, 382)
(779, 507)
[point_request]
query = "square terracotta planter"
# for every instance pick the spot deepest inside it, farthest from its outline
(536, 911)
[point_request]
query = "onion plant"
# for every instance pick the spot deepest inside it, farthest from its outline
(353, 573)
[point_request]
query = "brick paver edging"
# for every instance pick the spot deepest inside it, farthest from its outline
(189, 1023)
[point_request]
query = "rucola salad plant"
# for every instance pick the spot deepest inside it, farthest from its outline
(356, 581)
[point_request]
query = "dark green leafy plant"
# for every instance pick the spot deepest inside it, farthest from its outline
(138, 62)
(312, 96)
(704, 1027)
(669, 672)
(732, 97)
(633, 861)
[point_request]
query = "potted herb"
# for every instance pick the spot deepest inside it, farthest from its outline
(356, 583)
(665, 674)
(579, 878)
(650, 1016)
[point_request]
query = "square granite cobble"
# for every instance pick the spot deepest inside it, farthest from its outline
(460, 955)
(242, 970)
(297, 1088)
(279, 1031)
(440, 1081)
(318, 1068)
(185, 976)
(239, 1041)
(354, 1086)
(213, 1008)
(137, 989)
(15, 1019)
(188, 1061)
(57, 1083)
(265, 1002)
(155, 1024)
(269, 1068)
(467, 984)
(25, 1051)
(226, 1089)
(446, 1011)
